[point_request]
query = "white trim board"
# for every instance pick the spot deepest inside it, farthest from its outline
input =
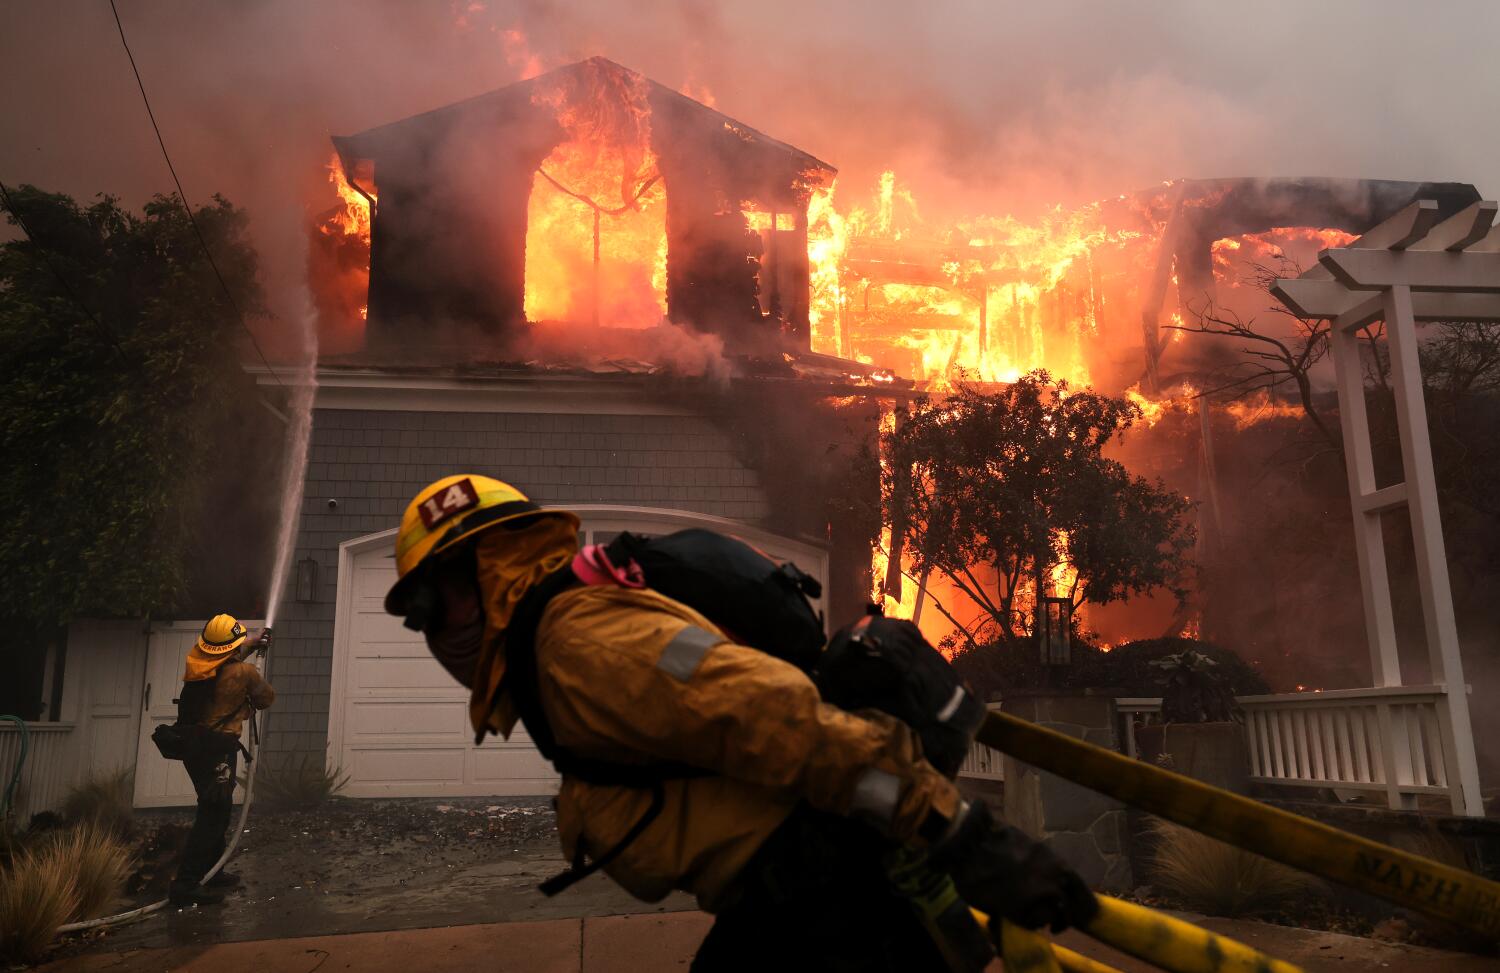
(383, 391)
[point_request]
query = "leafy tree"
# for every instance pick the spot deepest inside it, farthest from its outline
(121, 365)
(1016, 480)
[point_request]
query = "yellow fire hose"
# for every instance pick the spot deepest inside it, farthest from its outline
(1408, 880)
(1172, 944)
(1024, 951)
(1072, 962)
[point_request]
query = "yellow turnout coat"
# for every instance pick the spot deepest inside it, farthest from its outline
(632, 677)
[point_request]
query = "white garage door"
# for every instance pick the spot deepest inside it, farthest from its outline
(398, 723)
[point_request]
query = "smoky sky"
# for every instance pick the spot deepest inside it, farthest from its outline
(981, 107)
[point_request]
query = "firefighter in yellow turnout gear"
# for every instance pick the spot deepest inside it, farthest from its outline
(219, 692)
(779, 825)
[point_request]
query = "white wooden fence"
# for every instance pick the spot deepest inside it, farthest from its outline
(49, 768)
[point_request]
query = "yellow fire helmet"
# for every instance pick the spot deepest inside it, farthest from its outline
(221, 635)
(445, 513)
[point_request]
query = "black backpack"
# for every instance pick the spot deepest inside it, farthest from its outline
(885, 664)
(190, 738)
(754, 600)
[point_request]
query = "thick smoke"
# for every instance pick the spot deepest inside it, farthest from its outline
(981, 107)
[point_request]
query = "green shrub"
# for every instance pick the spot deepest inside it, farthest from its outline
(304, 784)
(1129, 666)
(998, 667)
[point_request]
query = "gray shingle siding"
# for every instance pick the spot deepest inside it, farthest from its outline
(372, 462)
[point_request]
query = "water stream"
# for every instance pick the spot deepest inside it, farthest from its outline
(301, 388)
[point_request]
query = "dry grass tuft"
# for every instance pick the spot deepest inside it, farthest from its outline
(37, 894)
(105, 800)
(1433, 844)
(54, 878)
(302, 785)
(1209, 876)
(100, 864)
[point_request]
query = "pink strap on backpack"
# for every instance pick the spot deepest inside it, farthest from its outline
(593, 567)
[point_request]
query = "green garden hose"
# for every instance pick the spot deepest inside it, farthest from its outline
(7, 803)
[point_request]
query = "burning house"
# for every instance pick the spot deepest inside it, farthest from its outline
(590, 197)
(592, 287)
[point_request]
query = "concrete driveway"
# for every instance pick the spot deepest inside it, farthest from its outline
(664, 941)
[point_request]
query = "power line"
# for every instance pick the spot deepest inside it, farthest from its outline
(229, 297)
(41, 251)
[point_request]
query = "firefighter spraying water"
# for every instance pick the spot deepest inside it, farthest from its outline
(220, 692)
(224, 688)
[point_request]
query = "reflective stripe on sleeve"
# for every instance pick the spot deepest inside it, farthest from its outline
(876, 795)
(686, 650)
(951, 707)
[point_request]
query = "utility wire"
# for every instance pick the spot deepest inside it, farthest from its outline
(41, 251)
(228, 297)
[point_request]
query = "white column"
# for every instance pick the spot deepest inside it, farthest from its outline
(1369, 544)
(1427, 535)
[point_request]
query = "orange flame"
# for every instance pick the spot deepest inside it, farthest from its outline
(894, 603)
(827, 238)
(989, 298)
(1272, 246)
(1064, 574)
(1260, 407)
(354, 217)
(602, 175)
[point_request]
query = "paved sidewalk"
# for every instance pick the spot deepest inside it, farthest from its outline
(617, 944)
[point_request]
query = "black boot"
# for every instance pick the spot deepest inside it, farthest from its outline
(223, 880)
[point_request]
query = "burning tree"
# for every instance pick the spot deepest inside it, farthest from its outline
(1008, 494)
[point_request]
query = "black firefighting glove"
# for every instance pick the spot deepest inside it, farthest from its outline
(1002, 872)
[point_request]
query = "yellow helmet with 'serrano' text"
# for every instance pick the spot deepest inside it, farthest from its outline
(222, 634)
(447, 512)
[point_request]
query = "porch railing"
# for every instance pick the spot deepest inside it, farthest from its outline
(1395, 740)
(983, 763)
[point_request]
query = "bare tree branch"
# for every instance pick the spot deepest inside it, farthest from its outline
(1275, 361)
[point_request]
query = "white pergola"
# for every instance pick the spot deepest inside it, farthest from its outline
(1409, 269)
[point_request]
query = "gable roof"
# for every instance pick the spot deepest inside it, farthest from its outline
(513, 99)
